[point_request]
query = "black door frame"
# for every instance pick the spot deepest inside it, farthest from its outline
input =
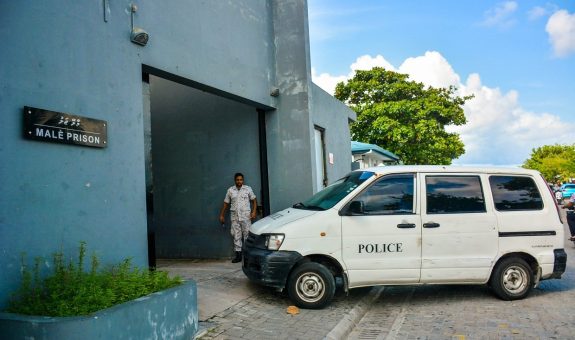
(264, 162)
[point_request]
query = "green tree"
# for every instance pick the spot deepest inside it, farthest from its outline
(404, 116)
(554, 162)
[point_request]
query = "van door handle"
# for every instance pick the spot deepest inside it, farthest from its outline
(406, 225)
(431, 225)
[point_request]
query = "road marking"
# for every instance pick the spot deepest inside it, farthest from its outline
(399, 320)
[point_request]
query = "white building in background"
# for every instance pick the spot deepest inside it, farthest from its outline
(364, 155)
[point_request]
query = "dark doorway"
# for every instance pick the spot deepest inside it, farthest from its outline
(196, 141)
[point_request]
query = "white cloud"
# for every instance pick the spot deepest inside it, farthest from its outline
(536, 13)
(561, 30)
(498, 130)
(501, 15)
(431, 69)
(327, 81)
(366, 62)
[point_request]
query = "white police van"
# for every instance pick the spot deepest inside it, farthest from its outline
(400, 225)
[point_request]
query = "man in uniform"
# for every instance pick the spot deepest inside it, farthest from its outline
(570, 204)
(238, 199)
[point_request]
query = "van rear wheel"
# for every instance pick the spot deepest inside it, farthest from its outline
(512, 279)
(311, 285)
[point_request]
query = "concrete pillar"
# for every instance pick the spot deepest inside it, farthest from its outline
(289, 128)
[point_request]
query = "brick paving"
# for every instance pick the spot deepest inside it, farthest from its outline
(469, 312)
(473, 312)
(264, 316)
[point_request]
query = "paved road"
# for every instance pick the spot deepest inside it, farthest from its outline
(264, 316)
(472, 312)
(231, 307)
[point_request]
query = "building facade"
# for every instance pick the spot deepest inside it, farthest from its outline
(217, 87)
(364, 155)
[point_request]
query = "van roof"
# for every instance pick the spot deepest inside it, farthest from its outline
(449, 168)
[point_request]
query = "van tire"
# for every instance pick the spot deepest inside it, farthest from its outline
(311, 285)
(512, 279)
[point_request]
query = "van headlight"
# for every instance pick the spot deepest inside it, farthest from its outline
(274, 241)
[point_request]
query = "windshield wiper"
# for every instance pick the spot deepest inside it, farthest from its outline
(300, 205)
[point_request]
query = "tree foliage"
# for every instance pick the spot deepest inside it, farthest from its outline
(555, 162)
(404, 116)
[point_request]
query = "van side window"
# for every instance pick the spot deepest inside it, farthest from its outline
(515, 193)
(454, 194)
(390, 195)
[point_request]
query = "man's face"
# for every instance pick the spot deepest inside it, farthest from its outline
(239, 181)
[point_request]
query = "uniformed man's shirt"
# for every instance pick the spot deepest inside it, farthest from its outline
(239, 200)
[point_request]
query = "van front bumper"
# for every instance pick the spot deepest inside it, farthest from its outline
(267, 267)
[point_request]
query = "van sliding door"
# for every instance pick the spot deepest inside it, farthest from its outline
(459, 233)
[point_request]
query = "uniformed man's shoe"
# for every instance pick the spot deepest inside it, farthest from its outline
(238, 257)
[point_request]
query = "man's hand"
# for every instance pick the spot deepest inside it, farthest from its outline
(222, 219)
(253, 215)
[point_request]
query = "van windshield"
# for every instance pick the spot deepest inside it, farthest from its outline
(335, 192)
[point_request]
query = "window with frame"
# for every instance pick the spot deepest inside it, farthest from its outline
(454, 194)
(391, 194)
(512, 193)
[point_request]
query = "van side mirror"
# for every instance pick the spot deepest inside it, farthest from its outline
(356, 208)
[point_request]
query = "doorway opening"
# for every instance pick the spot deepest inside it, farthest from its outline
(196, 138)
(320, 168)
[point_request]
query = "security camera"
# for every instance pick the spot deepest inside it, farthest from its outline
(139, 36)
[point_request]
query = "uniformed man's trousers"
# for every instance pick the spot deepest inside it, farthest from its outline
(239, 230)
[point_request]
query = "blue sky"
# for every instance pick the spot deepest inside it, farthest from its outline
(516, 57)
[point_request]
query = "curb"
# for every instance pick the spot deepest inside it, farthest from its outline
(346, 325)
(200, 333)
(204, 327)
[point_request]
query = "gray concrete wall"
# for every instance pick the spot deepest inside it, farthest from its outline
(330, 114)
(62, 56)
(290, 151)
(228, 45)
(199, 141)
(76, 57)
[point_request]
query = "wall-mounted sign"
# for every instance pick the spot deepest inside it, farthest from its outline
(58, 127)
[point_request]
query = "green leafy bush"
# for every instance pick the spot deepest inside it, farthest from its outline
(72, 291)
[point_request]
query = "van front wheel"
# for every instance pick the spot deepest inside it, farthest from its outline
(311, 285)
(512, 279)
